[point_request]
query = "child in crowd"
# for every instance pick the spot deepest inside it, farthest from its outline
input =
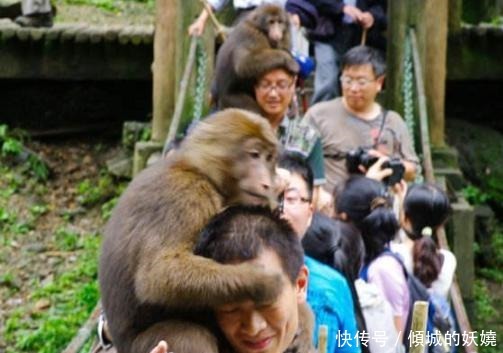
(329, 293)
(425, 209)
(366, 204)
(339, 245)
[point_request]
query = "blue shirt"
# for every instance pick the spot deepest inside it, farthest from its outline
(329, 296)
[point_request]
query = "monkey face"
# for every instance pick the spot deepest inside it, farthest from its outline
(254, 171)
(276, 28)
(272, 21)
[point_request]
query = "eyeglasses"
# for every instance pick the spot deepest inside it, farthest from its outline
(280, 86)
(360, 82)
(293, 198)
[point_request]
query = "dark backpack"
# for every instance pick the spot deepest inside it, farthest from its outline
(417, 292)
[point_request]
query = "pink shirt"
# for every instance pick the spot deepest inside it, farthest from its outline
(387, 275)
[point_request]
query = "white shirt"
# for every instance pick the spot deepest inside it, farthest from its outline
(243, 4)
(443, 283)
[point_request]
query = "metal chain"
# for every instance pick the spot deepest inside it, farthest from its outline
(201, 62)
(408, 89)
(408, 96)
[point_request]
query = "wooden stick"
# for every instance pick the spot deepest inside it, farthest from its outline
(364, 36)
(322, 339)
(418, 327)
(423, 113)
(220, 29)
(175, 120)
(84, 332)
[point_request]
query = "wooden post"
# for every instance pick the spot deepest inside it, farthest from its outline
(431, 26)
(436, 74)
(418, 327)
(163, 67)
(397, 26)
(463, 236)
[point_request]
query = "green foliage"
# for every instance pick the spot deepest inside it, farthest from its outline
(107, 208)
(90, 193)
(108, 5)
(37, 167)
(484, 308)
(38, 210)
(67, 240)
(495, 271)
(475, 196)
(12, 146)
(73, 295)
(8, 280)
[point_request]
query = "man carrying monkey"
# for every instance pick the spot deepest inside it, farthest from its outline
(253, 234)
(274, 92)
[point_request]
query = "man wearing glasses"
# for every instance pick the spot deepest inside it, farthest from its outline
(274, 92)
(357, 120)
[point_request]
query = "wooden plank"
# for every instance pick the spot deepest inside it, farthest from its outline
(125, 34)
(137, 35)
(70, 34)
(8, 30)
(37, 34)
(112, 33)
(23, 34)
(148, 35)
(96, 34)
(82, 35)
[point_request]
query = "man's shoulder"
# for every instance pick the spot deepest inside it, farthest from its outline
(394, 117)
(324, 109)
(324, 273)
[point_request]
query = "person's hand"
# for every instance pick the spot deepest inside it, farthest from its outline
(400, 190)
(282, 180)
(295, 20)
(353, 12)
(324, 202)
(376, 170)
(197, 27)
(366, 20)
(162, 347)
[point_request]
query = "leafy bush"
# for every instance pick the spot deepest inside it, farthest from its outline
(12, 146)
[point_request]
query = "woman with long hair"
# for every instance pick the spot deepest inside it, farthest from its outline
(425, 210)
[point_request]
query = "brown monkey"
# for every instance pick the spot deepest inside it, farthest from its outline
(152, 285)
(259, 43)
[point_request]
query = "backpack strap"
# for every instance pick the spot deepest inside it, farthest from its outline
(364, 272)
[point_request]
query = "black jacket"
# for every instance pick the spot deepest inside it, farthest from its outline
(329, 24)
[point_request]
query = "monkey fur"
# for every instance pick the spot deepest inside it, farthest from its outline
(151, 283)
(259, 43)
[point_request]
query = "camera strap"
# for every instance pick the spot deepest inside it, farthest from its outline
(342, 155)
(384, 113)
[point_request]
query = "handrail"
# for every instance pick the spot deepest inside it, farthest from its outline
(455, 292)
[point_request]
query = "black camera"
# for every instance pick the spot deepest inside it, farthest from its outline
(360, 156)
